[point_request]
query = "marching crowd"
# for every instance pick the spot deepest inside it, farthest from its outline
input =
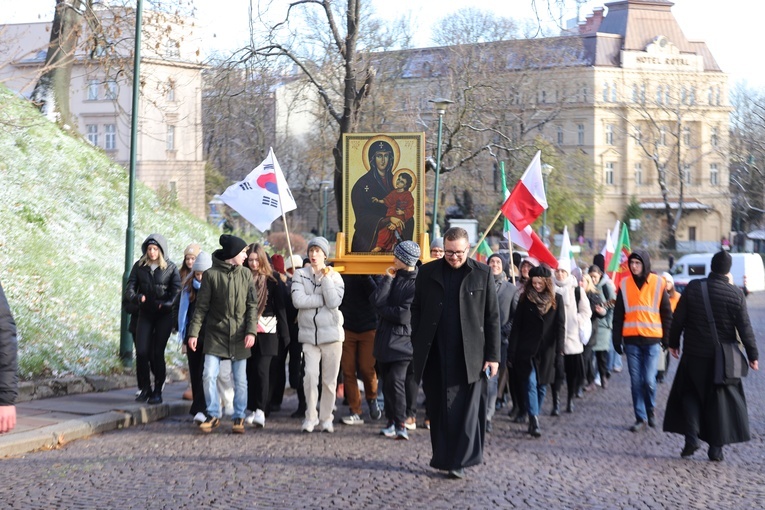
(477, 337)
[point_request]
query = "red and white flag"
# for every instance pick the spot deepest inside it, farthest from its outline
(612, 236)
(527, 200)
(525, 204)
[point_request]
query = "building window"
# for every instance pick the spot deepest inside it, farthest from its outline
(172, 49)
(110, 137)
(659, 94)
(111, 89)
(606, 94)
(687, 136)
(691, 233)
(92, 90)
(667, 94)
(714, 175)
(687, 176)
(692, 97)
(635, 93)
(584, 93)
(542, 96)
(711, 96)
(171, 91)
(662, 136)
(717, 98)
(92, 131)
(613, 92)
(580, 134)
(171, 138)
(609, 173)
(638, 174)
(642, 93)
(638, 135)
(560, 135)
(714, 138)
(609, 134)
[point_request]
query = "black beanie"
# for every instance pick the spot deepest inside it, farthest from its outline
(540, 272)
(600, 261)
(231, 246)
(721, 262)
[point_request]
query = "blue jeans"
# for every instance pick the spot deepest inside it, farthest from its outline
(614, 359)
(642, 361)
(210, 382)
(535, 394)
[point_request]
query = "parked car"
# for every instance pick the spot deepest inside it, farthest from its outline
(748, 270)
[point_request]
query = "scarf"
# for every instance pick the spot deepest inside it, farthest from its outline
(261, 289)
(499, 279)
(543, 301)
(566, 289)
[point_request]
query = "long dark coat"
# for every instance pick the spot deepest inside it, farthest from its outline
(9, 379)
(479, 313)
(721, 414)
(393, 300)
(535, 339)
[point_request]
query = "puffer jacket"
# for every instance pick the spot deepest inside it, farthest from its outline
(160, 286)
(729, 309)
(9, 379)
(575, 312)
(603, 325)
(317, 299)
(393, 301)
(228, 301)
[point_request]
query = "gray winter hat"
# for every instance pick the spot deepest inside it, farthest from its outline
(407, 252)
(321, 243)
(203, 262)
(438, 242)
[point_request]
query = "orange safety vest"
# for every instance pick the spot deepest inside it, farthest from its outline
(641, 307)
(674, 298)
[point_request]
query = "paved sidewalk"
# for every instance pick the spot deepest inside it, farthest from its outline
(50, 422)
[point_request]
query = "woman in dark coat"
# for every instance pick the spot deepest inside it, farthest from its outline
(696, 407)
(272, 323)
(153, 285)
(393, 339)
(539, 329)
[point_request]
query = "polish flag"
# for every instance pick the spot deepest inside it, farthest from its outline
(610, 247)
(530, 241)
(527, 200)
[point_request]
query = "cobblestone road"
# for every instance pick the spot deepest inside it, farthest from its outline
(586, 460)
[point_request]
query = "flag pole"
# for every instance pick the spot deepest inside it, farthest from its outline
(485, 233)
(512, 266)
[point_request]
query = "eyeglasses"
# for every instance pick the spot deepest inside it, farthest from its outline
(450, 253)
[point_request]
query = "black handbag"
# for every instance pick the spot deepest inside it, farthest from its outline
(730, 362)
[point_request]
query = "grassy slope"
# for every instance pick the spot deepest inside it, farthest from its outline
(63, 215)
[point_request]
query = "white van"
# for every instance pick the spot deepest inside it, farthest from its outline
(747, 270)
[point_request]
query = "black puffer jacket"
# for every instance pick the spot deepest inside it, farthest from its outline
(729, 309)
(393, 300)
(9, 379)
(160, 287)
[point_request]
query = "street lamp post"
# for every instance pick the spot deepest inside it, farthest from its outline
(324, 207)
(126, 342)
(440, 105)
(546, 171)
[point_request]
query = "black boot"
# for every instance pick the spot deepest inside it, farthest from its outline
(155, 398)
(556, 403)
(570, 405)
(143, 396)
(534, 429)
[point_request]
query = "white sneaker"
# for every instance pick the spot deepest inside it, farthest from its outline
(250, 419)
(308, 425)
(327, 426)
(259, 418)
(200, 418)
(353, 419)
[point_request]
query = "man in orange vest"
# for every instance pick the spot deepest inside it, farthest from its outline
(642, 318)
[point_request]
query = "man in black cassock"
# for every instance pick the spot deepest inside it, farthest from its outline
(456, 340)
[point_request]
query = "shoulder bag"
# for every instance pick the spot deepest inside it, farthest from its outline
(730, 362)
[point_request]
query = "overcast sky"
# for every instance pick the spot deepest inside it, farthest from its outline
(729, 28)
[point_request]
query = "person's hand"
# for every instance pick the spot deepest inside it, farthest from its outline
(493, 367)
(600, 309)
(391, 271)
(143, 298)
(754, 365)
(619, 348)
(8, 418)
(193, 343)
(675, 353)
(400, 212)
(249, 341)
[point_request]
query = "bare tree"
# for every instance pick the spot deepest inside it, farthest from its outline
(747, 153)
(667, 129)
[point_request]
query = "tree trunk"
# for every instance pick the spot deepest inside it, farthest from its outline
(51, 93)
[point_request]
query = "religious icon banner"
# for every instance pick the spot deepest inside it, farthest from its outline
(384, 190)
